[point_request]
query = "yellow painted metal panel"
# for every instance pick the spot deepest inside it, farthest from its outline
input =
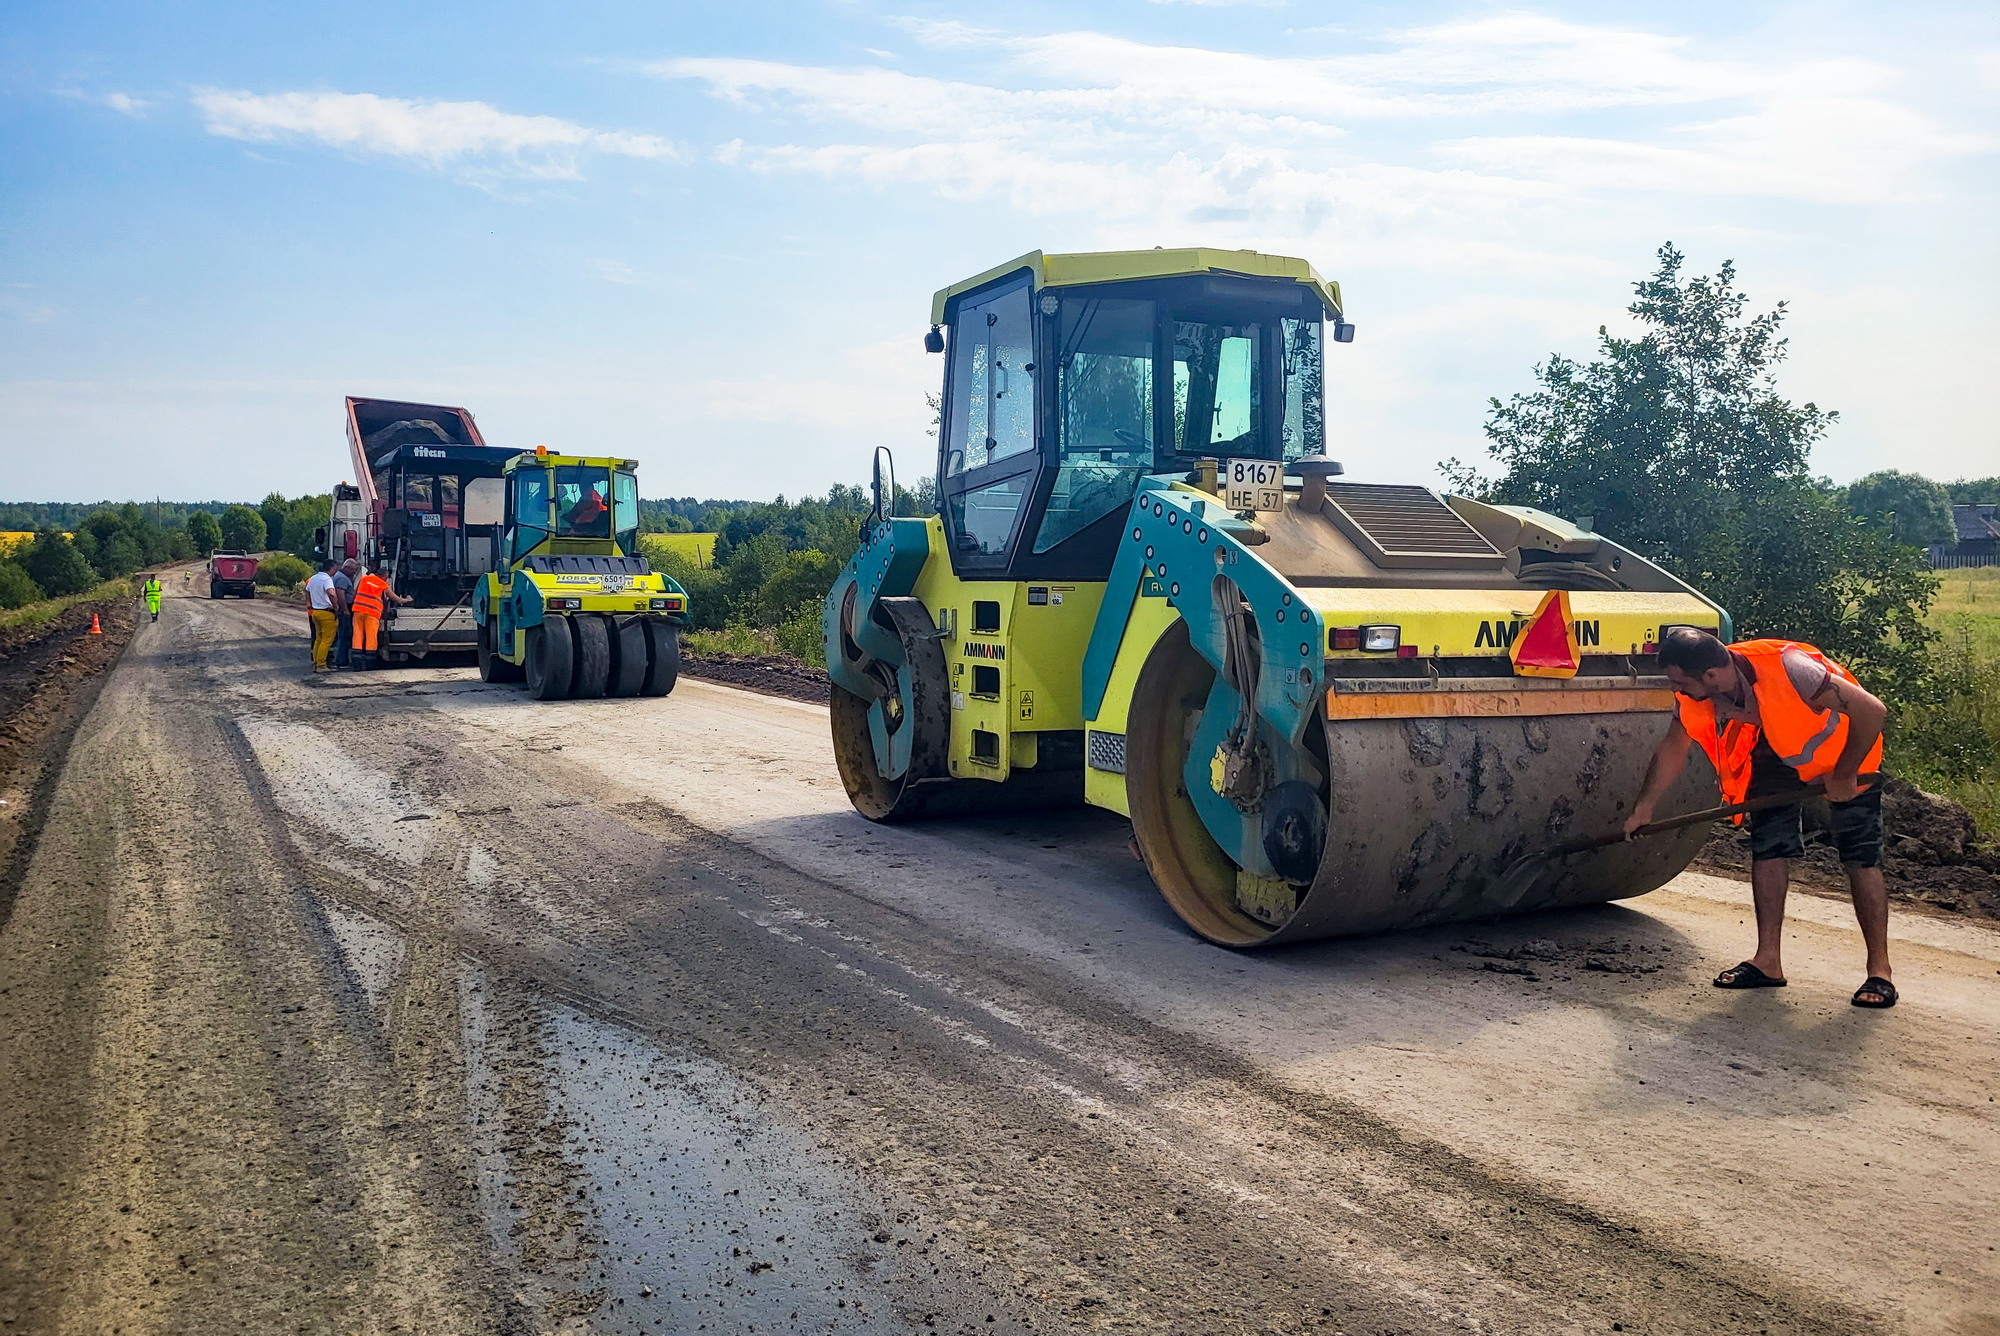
(1465, 622)
(1072, 270)
(1149, 621)
(1024, 676)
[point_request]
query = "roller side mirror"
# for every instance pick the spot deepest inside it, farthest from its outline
(934, 340)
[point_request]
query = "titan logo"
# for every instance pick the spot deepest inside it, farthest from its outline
(1500, 635)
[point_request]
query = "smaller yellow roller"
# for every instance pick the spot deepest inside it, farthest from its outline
(1327, 707)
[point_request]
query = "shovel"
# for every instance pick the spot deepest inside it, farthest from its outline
(1513, 885)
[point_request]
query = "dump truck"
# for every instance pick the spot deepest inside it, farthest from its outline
(232, 571)
(423, 510)
(1326, 706)
(572, 608)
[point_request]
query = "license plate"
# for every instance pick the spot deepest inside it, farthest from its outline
(1253, 484)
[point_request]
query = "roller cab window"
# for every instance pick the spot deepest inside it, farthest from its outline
(1104, 413)
(625, 511)
(1218, 400)
(582, 501)
(530, 511)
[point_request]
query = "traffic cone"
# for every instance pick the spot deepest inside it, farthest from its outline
(95, 628)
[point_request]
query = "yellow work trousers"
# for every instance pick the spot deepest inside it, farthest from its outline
(366, 630)
(324, 625)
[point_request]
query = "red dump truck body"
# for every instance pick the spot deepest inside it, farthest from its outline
(232, 573)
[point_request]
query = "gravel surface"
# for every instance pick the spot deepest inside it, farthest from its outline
(393, 1001)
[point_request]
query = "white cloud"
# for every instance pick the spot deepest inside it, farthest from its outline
(1085, 121)
(615, 271)
(432, 132)
(123, 103)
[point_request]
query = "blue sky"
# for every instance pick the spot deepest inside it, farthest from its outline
(705, 235)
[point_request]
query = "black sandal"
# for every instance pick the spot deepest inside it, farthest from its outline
(1747, 975)
(1880, 988)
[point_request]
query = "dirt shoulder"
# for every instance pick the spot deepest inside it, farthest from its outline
(49, 675)
(772, 674)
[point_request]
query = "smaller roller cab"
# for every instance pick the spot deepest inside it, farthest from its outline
(572, 609)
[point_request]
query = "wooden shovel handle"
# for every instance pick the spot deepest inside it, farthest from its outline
(1758, 804)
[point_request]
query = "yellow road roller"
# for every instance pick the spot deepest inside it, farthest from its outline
(1327, 707)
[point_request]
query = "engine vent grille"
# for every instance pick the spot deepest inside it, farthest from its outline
(1408, 527)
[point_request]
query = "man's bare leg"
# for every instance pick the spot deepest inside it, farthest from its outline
(1871, 909)
(1768, 880)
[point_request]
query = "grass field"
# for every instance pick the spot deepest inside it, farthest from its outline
(1968, 601)
(698, 546)
(1955, 742)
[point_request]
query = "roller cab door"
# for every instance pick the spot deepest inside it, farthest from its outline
(990, 465)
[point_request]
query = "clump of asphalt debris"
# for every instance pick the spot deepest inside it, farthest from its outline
(1561, 961)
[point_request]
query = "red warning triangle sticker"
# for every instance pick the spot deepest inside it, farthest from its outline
(1546, 646)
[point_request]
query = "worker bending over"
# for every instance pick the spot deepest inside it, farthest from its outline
(152, 590)
(369, 591)
(1771, 715)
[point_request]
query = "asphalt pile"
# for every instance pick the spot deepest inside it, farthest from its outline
(1933, 854)
(771, 674)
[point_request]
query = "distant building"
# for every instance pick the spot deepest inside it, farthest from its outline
(1978, 544)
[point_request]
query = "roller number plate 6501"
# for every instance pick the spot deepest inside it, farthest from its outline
(1253, 484)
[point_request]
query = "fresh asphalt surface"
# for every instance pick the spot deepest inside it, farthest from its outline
(398, 1002)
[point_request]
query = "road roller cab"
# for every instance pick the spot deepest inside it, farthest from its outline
(1327, 706)
(573, 608)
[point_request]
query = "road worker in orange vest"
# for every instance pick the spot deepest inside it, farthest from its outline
(1772, 715)
(370, 590)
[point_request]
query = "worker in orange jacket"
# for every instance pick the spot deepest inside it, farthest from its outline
(1772, 715)
(370, 590)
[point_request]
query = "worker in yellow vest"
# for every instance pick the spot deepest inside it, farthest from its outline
(152, 591)
(1771, 715)
(370, 590)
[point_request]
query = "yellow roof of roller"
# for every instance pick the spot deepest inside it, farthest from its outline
(1062, 271)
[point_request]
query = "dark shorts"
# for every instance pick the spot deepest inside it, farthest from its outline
(1776, 832)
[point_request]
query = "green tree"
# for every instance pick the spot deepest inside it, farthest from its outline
(801, 579)
(54, 563)
(204, 533)
(1663, 434)
(119, 555)
(284, 571)
(17, 589)
(303, 517)
(242, 529)
(1973, 491)
(1908, 506)
(273, 508)
(1679, 445)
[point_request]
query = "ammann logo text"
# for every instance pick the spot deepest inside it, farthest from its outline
(979, 649)
(1500, 635)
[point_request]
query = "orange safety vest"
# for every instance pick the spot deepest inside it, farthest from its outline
(368, 591)
(1808, 740)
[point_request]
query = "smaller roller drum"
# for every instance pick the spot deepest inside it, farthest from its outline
(588, 655)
